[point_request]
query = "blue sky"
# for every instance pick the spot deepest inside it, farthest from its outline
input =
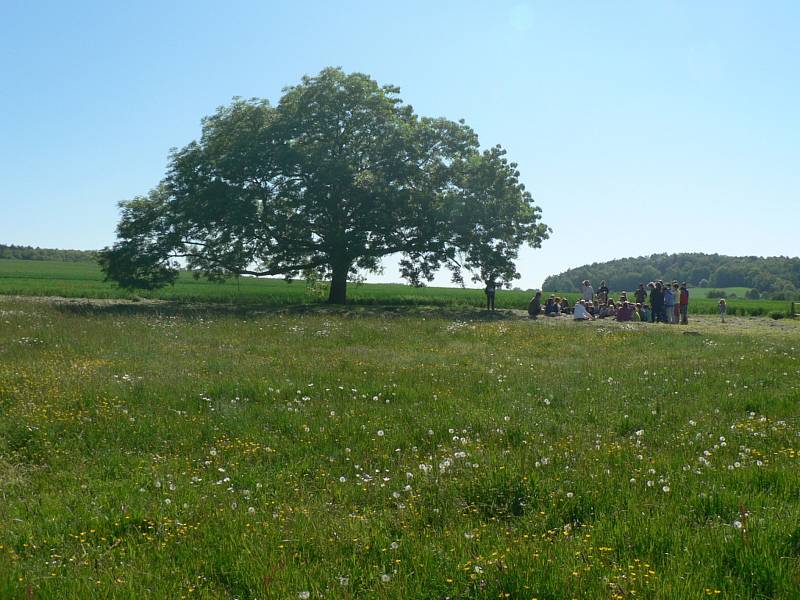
(638, 127)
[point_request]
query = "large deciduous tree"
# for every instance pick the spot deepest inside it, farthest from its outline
(339, 174)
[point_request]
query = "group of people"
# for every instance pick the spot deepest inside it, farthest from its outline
(660, 302)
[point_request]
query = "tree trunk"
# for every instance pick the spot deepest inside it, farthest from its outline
(338, 292)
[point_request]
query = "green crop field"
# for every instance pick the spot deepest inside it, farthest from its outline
(85, 280)
(179, 451)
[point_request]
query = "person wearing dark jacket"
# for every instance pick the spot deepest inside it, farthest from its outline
(551, 307)
(535, 305)
(640, 294)
(602, 292)
(656, 301)
(491, 288)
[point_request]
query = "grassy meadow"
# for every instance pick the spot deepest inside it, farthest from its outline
(85, 280)
(368, 452)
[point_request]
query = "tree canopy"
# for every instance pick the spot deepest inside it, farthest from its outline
(338, 175)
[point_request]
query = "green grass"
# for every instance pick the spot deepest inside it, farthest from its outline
(405, 453)
(85, 280)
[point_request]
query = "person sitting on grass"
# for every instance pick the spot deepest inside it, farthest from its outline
(646, 313)
(535, 305)
(551, 307)
(625, 313)
(565, 309)
(612, 309)
(580, 313)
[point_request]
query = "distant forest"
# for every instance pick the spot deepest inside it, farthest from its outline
(31, 253)
(777, 274)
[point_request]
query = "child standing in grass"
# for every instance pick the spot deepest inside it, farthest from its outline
(723, 309)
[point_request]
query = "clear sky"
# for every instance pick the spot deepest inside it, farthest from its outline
(639, 127)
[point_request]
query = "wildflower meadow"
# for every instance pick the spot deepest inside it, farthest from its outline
(362, 452)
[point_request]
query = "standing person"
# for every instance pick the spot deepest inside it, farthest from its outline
(676, 295)
(662, 315)
(655, 302)
(602, 292)
(491, 288)
(640, 294)
(587, 291)
(723, 309)
(669, 304)
(684, 304)
(535, 305)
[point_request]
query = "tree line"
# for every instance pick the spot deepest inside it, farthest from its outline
(772, 275)
(35, 253)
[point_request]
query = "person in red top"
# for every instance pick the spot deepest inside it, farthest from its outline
(684, 304)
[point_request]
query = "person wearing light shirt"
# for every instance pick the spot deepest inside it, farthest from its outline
(587, 291)
(580, 313)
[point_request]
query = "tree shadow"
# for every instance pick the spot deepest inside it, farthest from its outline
(189, 310)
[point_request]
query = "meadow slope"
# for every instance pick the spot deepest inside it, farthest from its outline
(410, 453)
